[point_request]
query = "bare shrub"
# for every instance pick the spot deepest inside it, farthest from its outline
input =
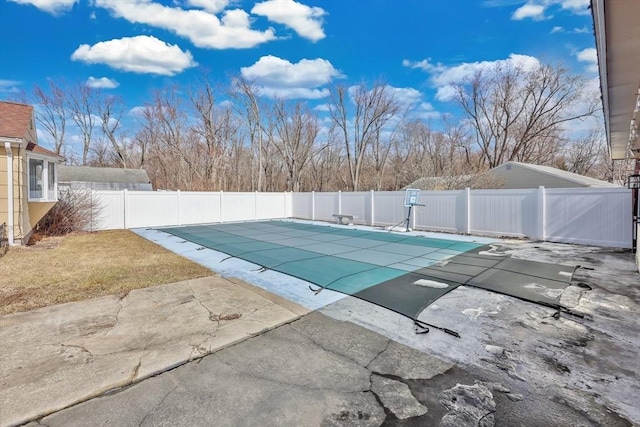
(74, 211)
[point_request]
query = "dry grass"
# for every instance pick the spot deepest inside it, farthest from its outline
(72, 268)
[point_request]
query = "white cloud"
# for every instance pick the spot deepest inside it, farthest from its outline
(213, 6)
(590, 56)
(445, 78)
(204, 29)
(9, 86)
(304, 20)
(138, 111)
(579, 7)
(102, 83)
(529, 10)
(535, 9)
(424, 65)
(140, 54)
(279, 78)
(51, 6)
(406, 96)
(557, 30)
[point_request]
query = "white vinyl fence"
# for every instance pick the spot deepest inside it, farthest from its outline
(133, 209)
(577, 215)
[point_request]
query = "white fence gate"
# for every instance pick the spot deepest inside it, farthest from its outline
(576, 215)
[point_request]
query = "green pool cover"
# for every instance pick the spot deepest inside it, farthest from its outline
(399, 272)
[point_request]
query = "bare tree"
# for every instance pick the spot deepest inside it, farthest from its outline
(360, 114)
(110, 110)
(513, 109)
(245, 95)
(296, 137)
(582, 156)
(170, 142)
(81, 102)
(51, 112)
(211, 131)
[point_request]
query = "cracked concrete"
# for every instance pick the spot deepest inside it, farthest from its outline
(321, 371)
(314, 371)
(355, 366)
(57, 356)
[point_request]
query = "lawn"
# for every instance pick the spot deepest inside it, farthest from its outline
(72, 268)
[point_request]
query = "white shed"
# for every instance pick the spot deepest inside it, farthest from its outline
(93, 178)
(525, 175)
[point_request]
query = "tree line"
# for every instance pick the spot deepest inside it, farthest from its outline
(211, 137)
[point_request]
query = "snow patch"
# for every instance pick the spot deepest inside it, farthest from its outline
(430, 284)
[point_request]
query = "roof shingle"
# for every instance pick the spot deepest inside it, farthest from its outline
(15, 119)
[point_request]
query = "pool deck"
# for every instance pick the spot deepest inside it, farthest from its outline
(347, 363)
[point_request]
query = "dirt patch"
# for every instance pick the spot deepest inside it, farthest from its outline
(55, 270)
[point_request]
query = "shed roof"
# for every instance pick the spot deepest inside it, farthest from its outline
(95, 174)
(15, 119)
(581, 180)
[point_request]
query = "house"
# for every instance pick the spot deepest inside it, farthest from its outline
(616, 26)
(94, 178)
(525, 175)
(512, 175)
(28, 173)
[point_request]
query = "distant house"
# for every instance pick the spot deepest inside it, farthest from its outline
(93, 178)
(28, 173)
(525, 175)
(512, 175)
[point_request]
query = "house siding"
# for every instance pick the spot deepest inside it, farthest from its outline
(22, 224)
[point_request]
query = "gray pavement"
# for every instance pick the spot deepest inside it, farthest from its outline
(353, 363)
(57, 356)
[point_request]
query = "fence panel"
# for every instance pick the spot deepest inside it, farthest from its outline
(504, 212)
(109, 210)
(151, 208)
(199, 207)
(238, 206)
(389, 207)
(357, 204)
(302, 205)
(443, 211)
(271, 205)
(590, 216)
(326, 204)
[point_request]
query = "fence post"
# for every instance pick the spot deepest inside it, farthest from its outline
(125, 194)
(255, 206)
(178, 207)
(313, 206)
(373, 222)
(542, 214)
(467, 220)
(339, 202)
(221, 219)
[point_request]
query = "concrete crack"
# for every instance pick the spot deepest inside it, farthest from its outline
(386, 410)
(136, 369)
(211, 314)
(318, 344)
(117, 315)
(271, 380)
(158, 405)
(77, 346)
(386, 347)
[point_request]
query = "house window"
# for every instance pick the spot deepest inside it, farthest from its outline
(42, 180)
(36, 183)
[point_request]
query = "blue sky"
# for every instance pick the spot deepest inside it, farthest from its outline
(291, 49)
